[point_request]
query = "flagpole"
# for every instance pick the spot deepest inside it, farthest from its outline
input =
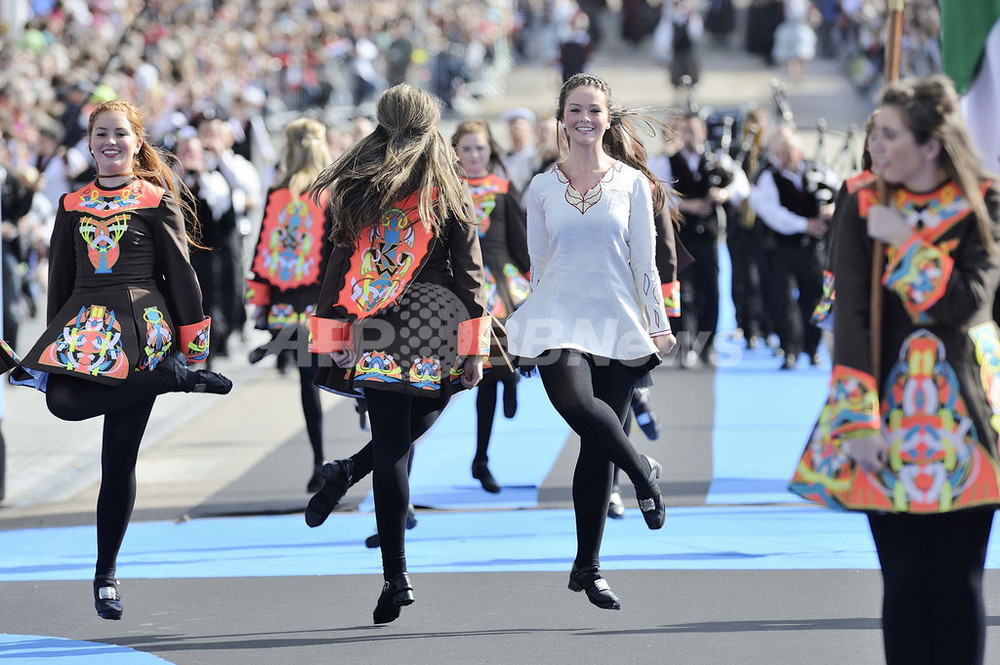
(892, 58)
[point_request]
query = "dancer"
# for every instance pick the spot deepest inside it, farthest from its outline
(402, 309)
(595, 319)
(502, 237)
(124, 315)
(288, 266)
(911, 440)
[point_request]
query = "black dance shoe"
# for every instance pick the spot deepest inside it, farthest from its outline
(644, 416)
(396, 593)
(616, 508)
(315, 483)
(650, 502)
(373, 541)
(185, 380)
(107, 600)
(598, 591)
(257, 354)
(337, 477)
(481, 472)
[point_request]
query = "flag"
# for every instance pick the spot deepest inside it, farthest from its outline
(970, 57)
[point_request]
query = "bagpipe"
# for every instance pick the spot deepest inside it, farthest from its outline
(821, 178)
(718, 173)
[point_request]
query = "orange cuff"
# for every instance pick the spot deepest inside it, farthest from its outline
(474, 337)
(327, 335)
(194, 339)
(672, 298)
(258, 293)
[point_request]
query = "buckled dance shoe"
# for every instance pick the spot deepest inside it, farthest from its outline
(396, 594)
(337, 477)
(650, 501)
(598, 591)
(107, 600)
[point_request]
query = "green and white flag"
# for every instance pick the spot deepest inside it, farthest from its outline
(970, 56)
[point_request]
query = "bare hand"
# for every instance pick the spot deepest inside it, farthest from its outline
(871, 453)
(887, 225)
(665, 343)
(816, 227)
(343, 358)
(473, 373)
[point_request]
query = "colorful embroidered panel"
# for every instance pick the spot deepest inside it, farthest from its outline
(936, 462)
(825, 472)
(825, 304)
(288, 254)
(425, 373)
(377, 367)
(919, 274)
(158, 339)
(386, 261)
(280, 315)
(90, 343)
(102, 237)
(195, 339)
(517, 284)
(984, 338)
(672, 298)
(484, 198)
(95, 201)
(494, 303)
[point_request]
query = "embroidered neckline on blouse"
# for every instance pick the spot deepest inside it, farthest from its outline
(584, 201)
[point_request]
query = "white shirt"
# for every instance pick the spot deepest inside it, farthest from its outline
(594, 284)
(765, 201)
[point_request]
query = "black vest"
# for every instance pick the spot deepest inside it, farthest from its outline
(695, 228)
(800, 201)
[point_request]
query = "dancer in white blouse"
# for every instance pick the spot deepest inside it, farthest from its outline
(595, 321)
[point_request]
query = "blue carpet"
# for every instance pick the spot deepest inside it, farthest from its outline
(522, 451)
(762, 415)
(725, 538)
(41, 650)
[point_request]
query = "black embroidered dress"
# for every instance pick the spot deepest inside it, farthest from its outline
(122, 293)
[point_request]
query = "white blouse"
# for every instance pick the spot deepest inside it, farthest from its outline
(594, 284)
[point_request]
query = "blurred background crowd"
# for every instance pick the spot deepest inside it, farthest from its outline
(217, 81)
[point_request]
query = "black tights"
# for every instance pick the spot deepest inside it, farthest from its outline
(312, 410)
(594, 399)
(126, 408)
(486, 407)
(73, 398)
(397, 421)
(932, 573)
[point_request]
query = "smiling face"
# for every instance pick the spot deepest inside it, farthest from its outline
(585, 115)
(898, 157)
(474, 154)
(113, 143)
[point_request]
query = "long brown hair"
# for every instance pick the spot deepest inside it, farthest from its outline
(305, 155)
(622, 140)
(152, 164)
(404, 154)
(930, 108)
